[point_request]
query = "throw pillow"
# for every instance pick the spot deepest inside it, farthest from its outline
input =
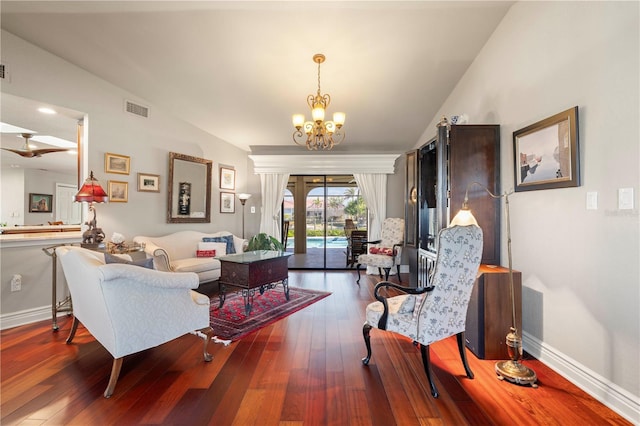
(374, 250)
(228, 239)
(386, 251)
(145, 263)
(205, 253)
(219, 248)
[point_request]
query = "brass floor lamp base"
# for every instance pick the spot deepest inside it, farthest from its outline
(515, 372)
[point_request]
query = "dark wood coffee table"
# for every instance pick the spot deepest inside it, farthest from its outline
(263, 269)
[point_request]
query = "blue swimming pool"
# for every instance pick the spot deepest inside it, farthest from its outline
(318, 242)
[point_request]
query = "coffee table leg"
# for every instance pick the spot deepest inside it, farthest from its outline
(285, 285)
(221, 294)
(248, 300)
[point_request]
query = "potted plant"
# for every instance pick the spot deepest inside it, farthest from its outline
(264, 241)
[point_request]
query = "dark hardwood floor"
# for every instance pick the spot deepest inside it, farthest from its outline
(302, 370)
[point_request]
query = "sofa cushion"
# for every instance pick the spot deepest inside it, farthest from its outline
(205, 253)
(228, 239)
(195, 264)
(219, 248)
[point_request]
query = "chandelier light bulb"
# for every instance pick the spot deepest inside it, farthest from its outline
(338, 118)
(317, 113)
(298, 120)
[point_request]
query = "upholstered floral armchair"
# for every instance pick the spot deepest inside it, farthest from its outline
(386, 252)
(130, 308)
(427, 315)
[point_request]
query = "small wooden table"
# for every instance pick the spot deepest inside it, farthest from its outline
(263, 269)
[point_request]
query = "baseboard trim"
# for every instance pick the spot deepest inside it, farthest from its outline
(613, 396)
(27, 316)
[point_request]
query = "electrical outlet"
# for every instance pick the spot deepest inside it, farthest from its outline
(16, 282)
(253, 209)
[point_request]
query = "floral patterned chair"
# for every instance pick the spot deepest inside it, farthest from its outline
(430, 314)
(385, 253)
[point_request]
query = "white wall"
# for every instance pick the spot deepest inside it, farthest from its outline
(580, 267)
(12, 208)
(37, 74)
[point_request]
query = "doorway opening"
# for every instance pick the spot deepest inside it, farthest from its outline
(325, 208)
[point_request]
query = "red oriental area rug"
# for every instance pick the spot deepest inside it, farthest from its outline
(231, 323)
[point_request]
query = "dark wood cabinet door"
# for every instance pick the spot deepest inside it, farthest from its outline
(474, 156)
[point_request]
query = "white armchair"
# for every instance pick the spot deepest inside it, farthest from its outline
(387, 251)
(130, 308)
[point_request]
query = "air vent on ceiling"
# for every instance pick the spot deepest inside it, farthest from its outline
(136, 109)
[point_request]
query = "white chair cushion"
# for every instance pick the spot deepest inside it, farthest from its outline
(195, 264)
(400, 319)
(376, 260)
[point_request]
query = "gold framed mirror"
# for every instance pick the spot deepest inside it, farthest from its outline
(189, 189)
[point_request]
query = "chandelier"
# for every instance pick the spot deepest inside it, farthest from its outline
(318, 134)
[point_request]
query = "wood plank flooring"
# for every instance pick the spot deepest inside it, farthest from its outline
(303, 370)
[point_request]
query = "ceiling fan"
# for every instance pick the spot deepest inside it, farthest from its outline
(30, 153)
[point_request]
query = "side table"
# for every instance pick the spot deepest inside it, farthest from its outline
(489, 314)
(66, 304)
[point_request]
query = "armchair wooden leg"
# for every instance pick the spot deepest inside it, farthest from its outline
(463, 354)
(399, 277)
(358, 270)
(386, 273)
(380, 273)
(74, 328)
(208, 332)
(366, 328)
(424, 349)
(115, 372)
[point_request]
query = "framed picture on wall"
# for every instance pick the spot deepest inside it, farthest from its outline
(227, 202)
(227, 178)
(148, 182)
(546, 153)
(115, 163)
(118, 191)
(40, 203)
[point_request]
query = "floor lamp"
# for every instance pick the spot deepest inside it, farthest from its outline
(511, 370)
(243, 199)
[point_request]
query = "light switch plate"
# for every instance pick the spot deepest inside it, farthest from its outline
(625, 199)
(253, 209)
(592, 201)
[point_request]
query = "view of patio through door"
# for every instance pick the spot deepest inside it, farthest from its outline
(322, 211)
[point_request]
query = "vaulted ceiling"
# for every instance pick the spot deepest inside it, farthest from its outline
(239, 70)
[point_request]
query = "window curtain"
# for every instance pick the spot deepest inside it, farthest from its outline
(374, 193)
(272, 186)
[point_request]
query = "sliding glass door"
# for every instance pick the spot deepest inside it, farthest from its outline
(321, 211)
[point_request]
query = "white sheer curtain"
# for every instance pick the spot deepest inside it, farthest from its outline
(374, 192)
(272, 186)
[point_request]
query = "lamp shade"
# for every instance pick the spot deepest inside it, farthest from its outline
(244, 197)
(298, 120)
(463, 218)
(317, 112)
(91, 191)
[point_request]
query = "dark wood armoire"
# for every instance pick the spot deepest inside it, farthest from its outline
(437, 176)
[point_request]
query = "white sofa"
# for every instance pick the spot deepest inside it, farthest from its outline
(128, 308)
(177, 252)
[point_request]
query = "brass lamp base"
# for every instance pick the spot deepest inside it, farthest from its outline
(515, 372)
